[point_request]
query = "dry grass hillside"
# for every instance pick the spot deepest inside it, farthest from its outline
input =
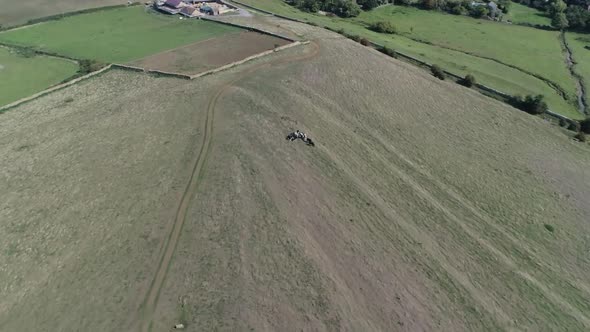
(423, 205)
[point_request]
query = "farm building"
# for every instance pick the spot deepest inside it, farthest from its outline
(171, 6)
(193, 8)
(189, 11)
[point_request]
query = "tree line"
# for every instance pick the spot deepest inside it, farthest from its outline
(569, 14)
(350, 8)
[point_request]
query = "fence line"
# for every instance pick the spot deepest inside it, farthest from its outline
(151, 71)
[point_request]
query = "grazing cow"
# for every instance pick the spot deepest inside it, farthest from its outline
(300, 135)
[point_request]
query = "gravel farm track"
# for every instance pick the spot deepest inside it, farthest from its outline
(135, 202)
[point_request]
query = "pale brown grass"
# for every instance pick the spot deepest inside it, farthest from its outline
(422, 206)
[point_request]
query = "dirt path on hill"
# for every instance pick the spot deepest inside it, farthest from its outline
(149, 305)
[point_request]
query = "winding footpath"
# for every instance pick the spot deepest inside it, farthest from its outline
(148, 308)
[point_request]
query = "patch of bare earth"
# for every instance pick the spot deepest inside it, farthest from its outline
(211, 53)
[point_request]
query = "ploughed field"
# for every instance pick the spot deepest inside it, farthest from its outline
(211, 53)
(423, 205)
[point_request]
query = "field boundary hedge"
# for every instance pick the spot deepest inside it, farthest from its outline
(53, 88)
(490, 92)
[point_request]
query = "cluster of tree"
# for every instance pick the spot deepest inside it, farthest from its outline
(460, 7)
(578, 18)
(370, 4)
(530, 104)
(538, 4)
(342, 8)
(557, 13)
(572, 14)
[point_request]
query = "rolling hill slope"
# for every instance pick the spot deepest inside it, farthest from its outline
(423, 206)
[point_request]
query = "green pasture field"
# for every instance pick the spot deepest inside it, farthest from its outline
(522, 14)
(533, 50)
(581, 55)
(446, 39)
(22, 76)
(115, 35)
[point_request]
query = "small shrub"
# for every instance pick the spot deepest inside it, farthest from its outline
(69, 100)
(388, 51)
(365, 42)
(341, 31)
(550, 228)
(89, 66)
(580, 137)
(587, 47)
(355, 38)
(458, 9)
(574, 126)
(468, 81)
(383, 27)
(585, 126)
(562, 123)
(26, 52)
(437, 72)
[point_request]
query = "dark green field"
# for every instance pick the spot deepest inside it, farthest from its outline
(22, 76)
